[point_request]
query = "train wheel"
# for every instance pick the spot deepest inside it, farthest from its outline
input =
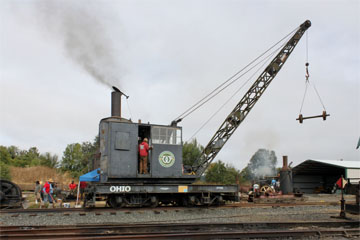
(154, 201)
(10, 194)
(115, 202)
(183, 202)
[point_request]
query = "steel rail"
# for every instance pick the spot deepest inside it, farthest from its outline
(195, 234)
(43, 232)
(174, 208)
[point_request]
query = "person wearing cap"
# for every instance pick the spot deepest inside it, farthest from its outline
(144, 153)
(48, 191)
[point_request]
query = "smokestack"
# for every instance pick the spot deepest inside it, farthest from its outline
(286, 182)
(116, 104)
(285, 163)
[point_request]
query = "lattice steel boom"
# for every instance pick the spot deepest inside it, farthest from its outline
(248, 101)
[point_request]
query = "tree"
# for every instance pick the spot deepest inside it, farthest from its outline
(14, 151)
(5, 156)
(72, 158)
(191, 152)
(32, 157)
(13, 156)
(90, 149)
(262, 163)
(4, 171)
(76, 157)
(220, 172)
(49, 160)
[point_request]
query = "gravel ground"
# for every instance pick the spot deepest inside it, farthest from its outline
(187, 215)
(193, 215)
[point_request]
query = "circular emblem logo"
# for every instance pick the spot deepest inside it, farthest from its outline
(166, 159)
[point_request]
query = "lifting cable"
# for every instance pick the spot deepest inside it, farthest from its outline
(307, 84)
(236, 92)
(241, 87)
(234, 78)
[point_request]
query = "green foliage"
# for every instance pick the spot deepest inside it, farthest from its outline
(76, 157)
(262, 163)
(13, 156)
(75, 160)
(191, 152)
(4, 171)
(220, 172)
(49, 160)
(5, 156)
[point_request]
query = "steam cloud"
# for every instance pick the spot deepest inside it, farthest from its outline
(262, 164)
(85, 39)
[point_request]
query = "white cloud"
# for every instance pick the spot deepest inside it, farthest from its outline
(179, 51)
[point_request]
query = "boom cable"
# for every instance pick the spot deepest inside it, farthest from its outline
(307, 75)
(213, 93)
(236, 92)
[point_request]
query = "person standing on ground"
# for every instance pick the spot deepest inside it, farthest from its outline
(273, 184)
(144, 153)
(46, 191)
(82, 189)
(72, 187)
(51, 192)
(278, 185)
(37, 192)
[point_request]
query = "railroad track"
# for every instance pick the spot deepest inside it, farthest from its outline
(185, 231)
(161, 208)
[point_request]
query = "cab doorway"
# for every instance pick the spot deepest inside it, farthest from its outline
(144, 132)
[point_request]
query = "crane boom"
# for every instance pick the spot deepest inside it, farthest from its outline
(242, 109)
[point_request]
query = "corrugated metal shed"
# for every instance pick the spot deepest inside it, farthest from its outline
(320, 175)
(339, 163)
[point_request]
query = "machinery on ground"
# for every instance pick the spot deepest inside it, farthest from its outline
(10, 195)
(119, 179)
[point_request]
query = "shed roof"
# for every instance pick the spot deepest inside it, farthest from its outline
(339, 163)
(325, 167)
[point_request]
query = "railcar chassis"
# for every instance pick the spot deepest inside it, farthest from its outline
(151, 195)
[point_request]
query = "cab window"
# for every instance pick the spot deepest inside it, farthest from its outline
(166, 135)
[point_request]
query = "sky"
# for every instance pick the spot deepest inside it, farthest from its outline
(58, 60)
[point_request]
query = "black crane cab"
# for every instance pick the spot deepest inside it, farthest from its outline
(119, 150)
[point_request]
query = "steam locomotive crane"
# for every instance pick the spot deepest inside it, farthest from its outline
(116, 172)
(242, 109)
